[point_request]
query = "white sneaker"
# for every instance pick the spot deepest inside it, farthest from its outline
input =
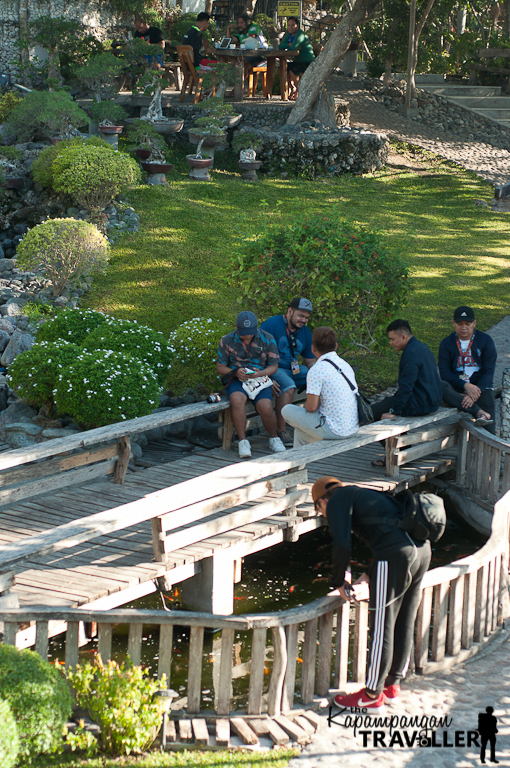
(276, 445)
(245, 449)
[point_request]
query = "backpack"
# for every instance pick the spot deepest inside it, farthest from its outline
(423, 515)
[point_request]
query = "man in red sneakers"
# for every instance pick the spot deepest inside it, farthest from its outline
(394, 579)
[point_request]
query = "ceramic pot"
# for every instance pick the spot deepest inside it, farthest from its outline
(230, 121)
(110, 128)
(156, 167)
(199, 167)
(210, 141)
(169, 126)
(143, 154)
(250, 169)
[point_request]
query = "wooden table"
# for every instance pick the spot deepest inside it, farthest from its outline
(238, 54)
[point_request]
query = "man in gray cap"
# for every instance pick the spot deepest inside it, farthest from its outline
(467, 359)
(294, 340)
(246, 355)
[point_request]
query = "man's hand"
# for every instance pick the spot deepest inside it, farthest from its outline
(467, 401)
(472, 391)
(276, 389)
(388, 416)
(242, 375)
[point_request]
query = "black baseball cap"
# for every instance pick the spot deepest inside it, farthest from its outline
(301, 303)
(464, 313)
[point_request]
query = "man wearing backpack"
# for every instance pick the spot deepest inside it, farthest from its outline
(400, 560)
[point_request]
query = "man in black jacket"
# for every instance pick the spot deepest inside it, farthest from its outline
(467, 359)
(394, 576)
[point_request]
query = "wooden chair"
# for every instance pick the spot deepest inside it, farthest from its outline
(253, 78)
(190, 76)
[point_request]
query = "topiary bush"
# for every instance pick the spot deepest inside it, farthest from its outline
(33, 374)
(63, 250)
(70, 324)
(120, 699)
(139, 341)
(9, 739)
(92, 175)
(355, 282)
(42, 169)
(39, 699)
(196, 344)
(104, 387)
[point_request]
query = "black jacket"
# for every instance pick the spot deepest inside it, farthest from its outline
(419, 386)
(484, 354)
(347, 509)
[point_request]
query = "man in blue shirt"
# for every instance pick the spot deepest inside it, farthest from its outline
(293, 340)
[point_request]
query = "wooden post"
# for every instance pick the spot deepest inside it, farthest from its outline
(196, 647)
(421, 652)
(123, 460)
(342, 646)
(309, 656)
(440, 621)
(468, 614)
(290, 672)
(228, 430)
(392, 469)
(359, 660)
(274, 706)
(324, 662)
(455, 616)
(225, 681)
(258, 658)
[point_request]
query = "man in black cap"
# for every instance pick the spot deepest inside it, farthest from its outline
(245, 356)
(394, 577)
(467, 360)
(294, 340)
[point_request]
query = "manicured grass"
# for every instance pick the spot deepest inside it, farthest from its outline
(276, 758)
(177, 266)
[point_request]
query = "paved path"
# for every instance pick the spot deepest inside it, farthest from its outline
(458, 694)
(490, 163)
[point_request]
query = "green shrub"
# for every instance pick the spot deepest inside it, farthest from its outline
(70, 324)
(11, 153)
(196, 344)
(107, 110)
(9, 739)
(120, 700)
(63, 250)
(42, 169)
(44, 114)
(105, 387)
(354, 281)
(93, 176)
(39, 699)
(98, 74)
(33, 374)
(139, 341)
(7, 103)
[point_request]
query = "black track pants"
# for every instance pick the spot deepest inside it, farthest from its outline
(485, 402)
(392, 621)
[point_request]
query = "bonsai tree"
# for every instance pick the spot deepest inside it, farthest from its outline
(107, 113)
(152, 84)
(99, 73)
(211, 124)
(55, 35)
(219, 77)
(142, 135)
(45, 114)
(246, 143)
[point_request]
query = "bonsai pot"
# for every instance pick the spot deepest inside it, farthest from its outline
(199, 167)
(209, 141)
(168, 126)
(156, 167)
(230, 121)
(110, 128)
(143, 154)
(250, 169)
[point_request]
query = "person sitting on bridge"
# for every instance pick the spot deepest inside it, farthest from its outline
(394, 577)
(331, 411)
(293, 340)
(244, 355)
(296, 40)
(467, 359)
(419, 387)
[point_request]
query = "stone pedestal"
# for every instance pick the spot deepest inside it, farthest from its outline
(111, 138)
(505, 405)
(212, 589)
(157, 178)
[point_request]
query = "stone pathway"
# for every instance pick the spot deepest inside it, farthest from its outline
(458, 694)
(489, 162)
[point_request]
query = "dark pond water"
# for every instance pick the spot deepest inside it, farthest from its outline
(282, 577)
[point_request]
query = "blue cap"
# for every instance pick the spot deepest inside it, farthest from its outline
(246, 324)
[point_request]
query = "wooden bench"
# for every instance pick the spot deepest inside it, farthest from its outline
(253, 420)
(491, 53)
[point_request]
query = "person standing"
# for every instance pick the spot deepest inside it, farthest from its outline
(293, 340)
(296, 40)
(394, 579)
(487, 728)
(245, 354)
(330, 411)
(467, 360)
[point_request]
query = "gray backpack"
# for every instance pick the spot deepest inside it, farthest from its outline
(423, 515)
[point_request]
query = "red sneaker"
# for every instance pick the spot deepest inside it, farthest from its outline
(360, 699)
(392, 692)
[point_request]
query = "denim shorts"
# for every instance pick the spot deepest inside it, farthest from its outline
(236, 386)
(286, 380)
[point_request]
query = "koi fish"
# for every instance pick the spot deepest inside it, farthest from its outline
(291, 589)
(322, 578)
(319, 565)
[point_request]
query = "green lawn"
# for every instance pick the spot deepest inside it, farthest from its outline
(276, 758)
(177, 266)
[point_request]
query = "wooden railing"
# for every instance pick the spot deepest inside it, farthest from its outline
(463, 605)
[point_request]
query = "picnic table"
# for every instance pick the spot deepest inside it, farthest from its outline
(271, 55)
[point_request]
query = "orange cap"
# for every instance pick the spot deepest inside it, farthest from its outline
(322, 485)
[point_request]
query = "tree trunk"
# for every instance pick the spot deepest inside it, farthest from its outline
(23, 29)
(319, 70)
(414, 55)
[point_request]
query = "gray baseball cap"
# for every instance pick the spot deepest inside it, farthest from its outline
(301, 303)
(246, 324)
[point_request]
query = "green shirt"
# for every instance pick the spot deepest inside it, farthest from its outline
(253, 29)
(300, 42)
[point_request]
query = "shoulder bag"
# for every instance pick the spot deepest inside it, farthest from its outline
(365, 415)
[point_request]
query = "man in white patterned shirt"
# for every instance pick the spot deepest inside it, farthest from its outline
(330, 411)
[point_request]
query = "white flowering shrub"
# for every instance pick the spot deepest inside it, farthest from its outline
(34, 373)
(196, 343)
(71, 324)
(104, 387)
(140, 341)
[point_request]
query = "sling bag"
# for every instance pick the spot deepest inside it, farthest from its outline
(365, 415)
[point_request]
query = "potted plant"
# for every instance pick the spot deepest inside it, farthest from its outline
(247, 143)
(98, 75)
(210, 129)
(142, 137)
(152, 84)
(45, 114)
(156, 166)
(108, 115)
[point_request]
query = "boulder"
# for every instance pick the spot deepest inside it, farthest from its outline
(64, 432)
(20, 440)
(13, 307)
(28, 428)
(20, 341)
(18, 411)
(4, 340)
